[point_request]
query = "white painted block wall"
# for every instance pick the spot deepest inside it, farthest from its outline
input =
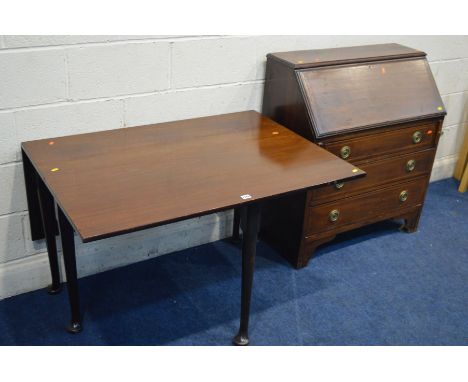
(62, 85)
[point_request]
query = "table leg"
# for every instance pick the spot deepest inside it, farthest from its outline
(236, 226)
(251, 217)
(68, 248)
(30, 181)
(47, 211)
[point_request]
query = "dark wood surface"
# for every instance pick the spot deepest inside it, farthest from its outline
(379, 172)
(118, 181)
(365, 207)
(369, 100)
(398, 139)
(300, 59)
(283, 99)
(352, 97)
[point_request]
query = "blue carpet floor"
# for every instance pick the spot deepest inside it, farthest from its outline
(374, 286)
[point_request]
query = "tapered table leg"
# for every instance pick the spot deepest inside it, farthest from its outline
(251, 217)
(236, 226)
(47, 209)
(68, 248)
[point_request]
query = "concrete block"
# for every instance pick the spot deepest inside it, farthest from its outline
(23, 41)
(437, 47)
(12, 192)
(32, 78)
(24, 275)
(451, 76)
(213, 61)
(443, 168)
(113, 70)
(450, 142)
(456, 105)
(196, 103)
(11, 238)
(68, 119)
(9, 146)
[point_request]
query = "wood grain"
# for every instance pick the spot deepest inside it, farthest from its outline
(301, 59)
(118, 181)
(379, 173)
(371, 99)
(379, 143)
(354, 97)
(365, 207)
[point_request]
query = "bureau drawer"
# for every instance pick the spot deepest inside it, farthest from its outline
(365, 207)
(379, 172)
(416, 137)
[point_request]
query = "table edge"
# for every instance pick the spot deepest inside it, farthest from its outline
(88, 239)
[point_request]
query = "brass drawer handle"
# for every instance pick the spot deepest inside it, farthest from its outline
(345, 152)
(403, 196)
(339, 185)
(417, 137)
(334, 215)
(410, 165)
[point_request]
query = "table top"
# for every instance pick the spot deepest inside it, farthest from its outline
(117, 181)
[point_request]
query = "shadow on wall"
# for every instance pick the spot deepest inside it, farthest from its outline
(17, 251)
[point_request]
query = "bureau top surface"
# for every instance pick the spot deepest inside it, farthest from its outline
(119, 181)
(301, 59)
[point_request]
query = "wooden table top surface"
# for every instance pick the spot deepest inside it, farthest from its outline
(117, 181)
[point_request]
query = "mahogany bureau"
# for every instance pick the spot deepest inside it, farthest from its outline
(375, 106)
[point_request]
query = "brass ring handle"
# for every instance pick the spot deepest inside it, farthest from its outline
(417, 137)
(334, 215)
(339, 185)
(345, 152)
(410, 165)
(403, 196)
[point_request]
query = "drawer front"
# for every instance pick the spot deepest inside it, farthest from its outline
(411, 138)
(379, 172)
(366, 206)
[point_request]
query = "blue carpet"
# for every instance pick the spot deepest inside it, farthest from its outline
(373, 286)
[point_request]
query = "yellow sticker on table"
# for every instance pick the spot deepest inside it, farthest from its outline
(54, 169)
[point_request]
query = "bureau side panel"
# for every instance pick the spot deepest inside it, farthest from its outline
(283, 101)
